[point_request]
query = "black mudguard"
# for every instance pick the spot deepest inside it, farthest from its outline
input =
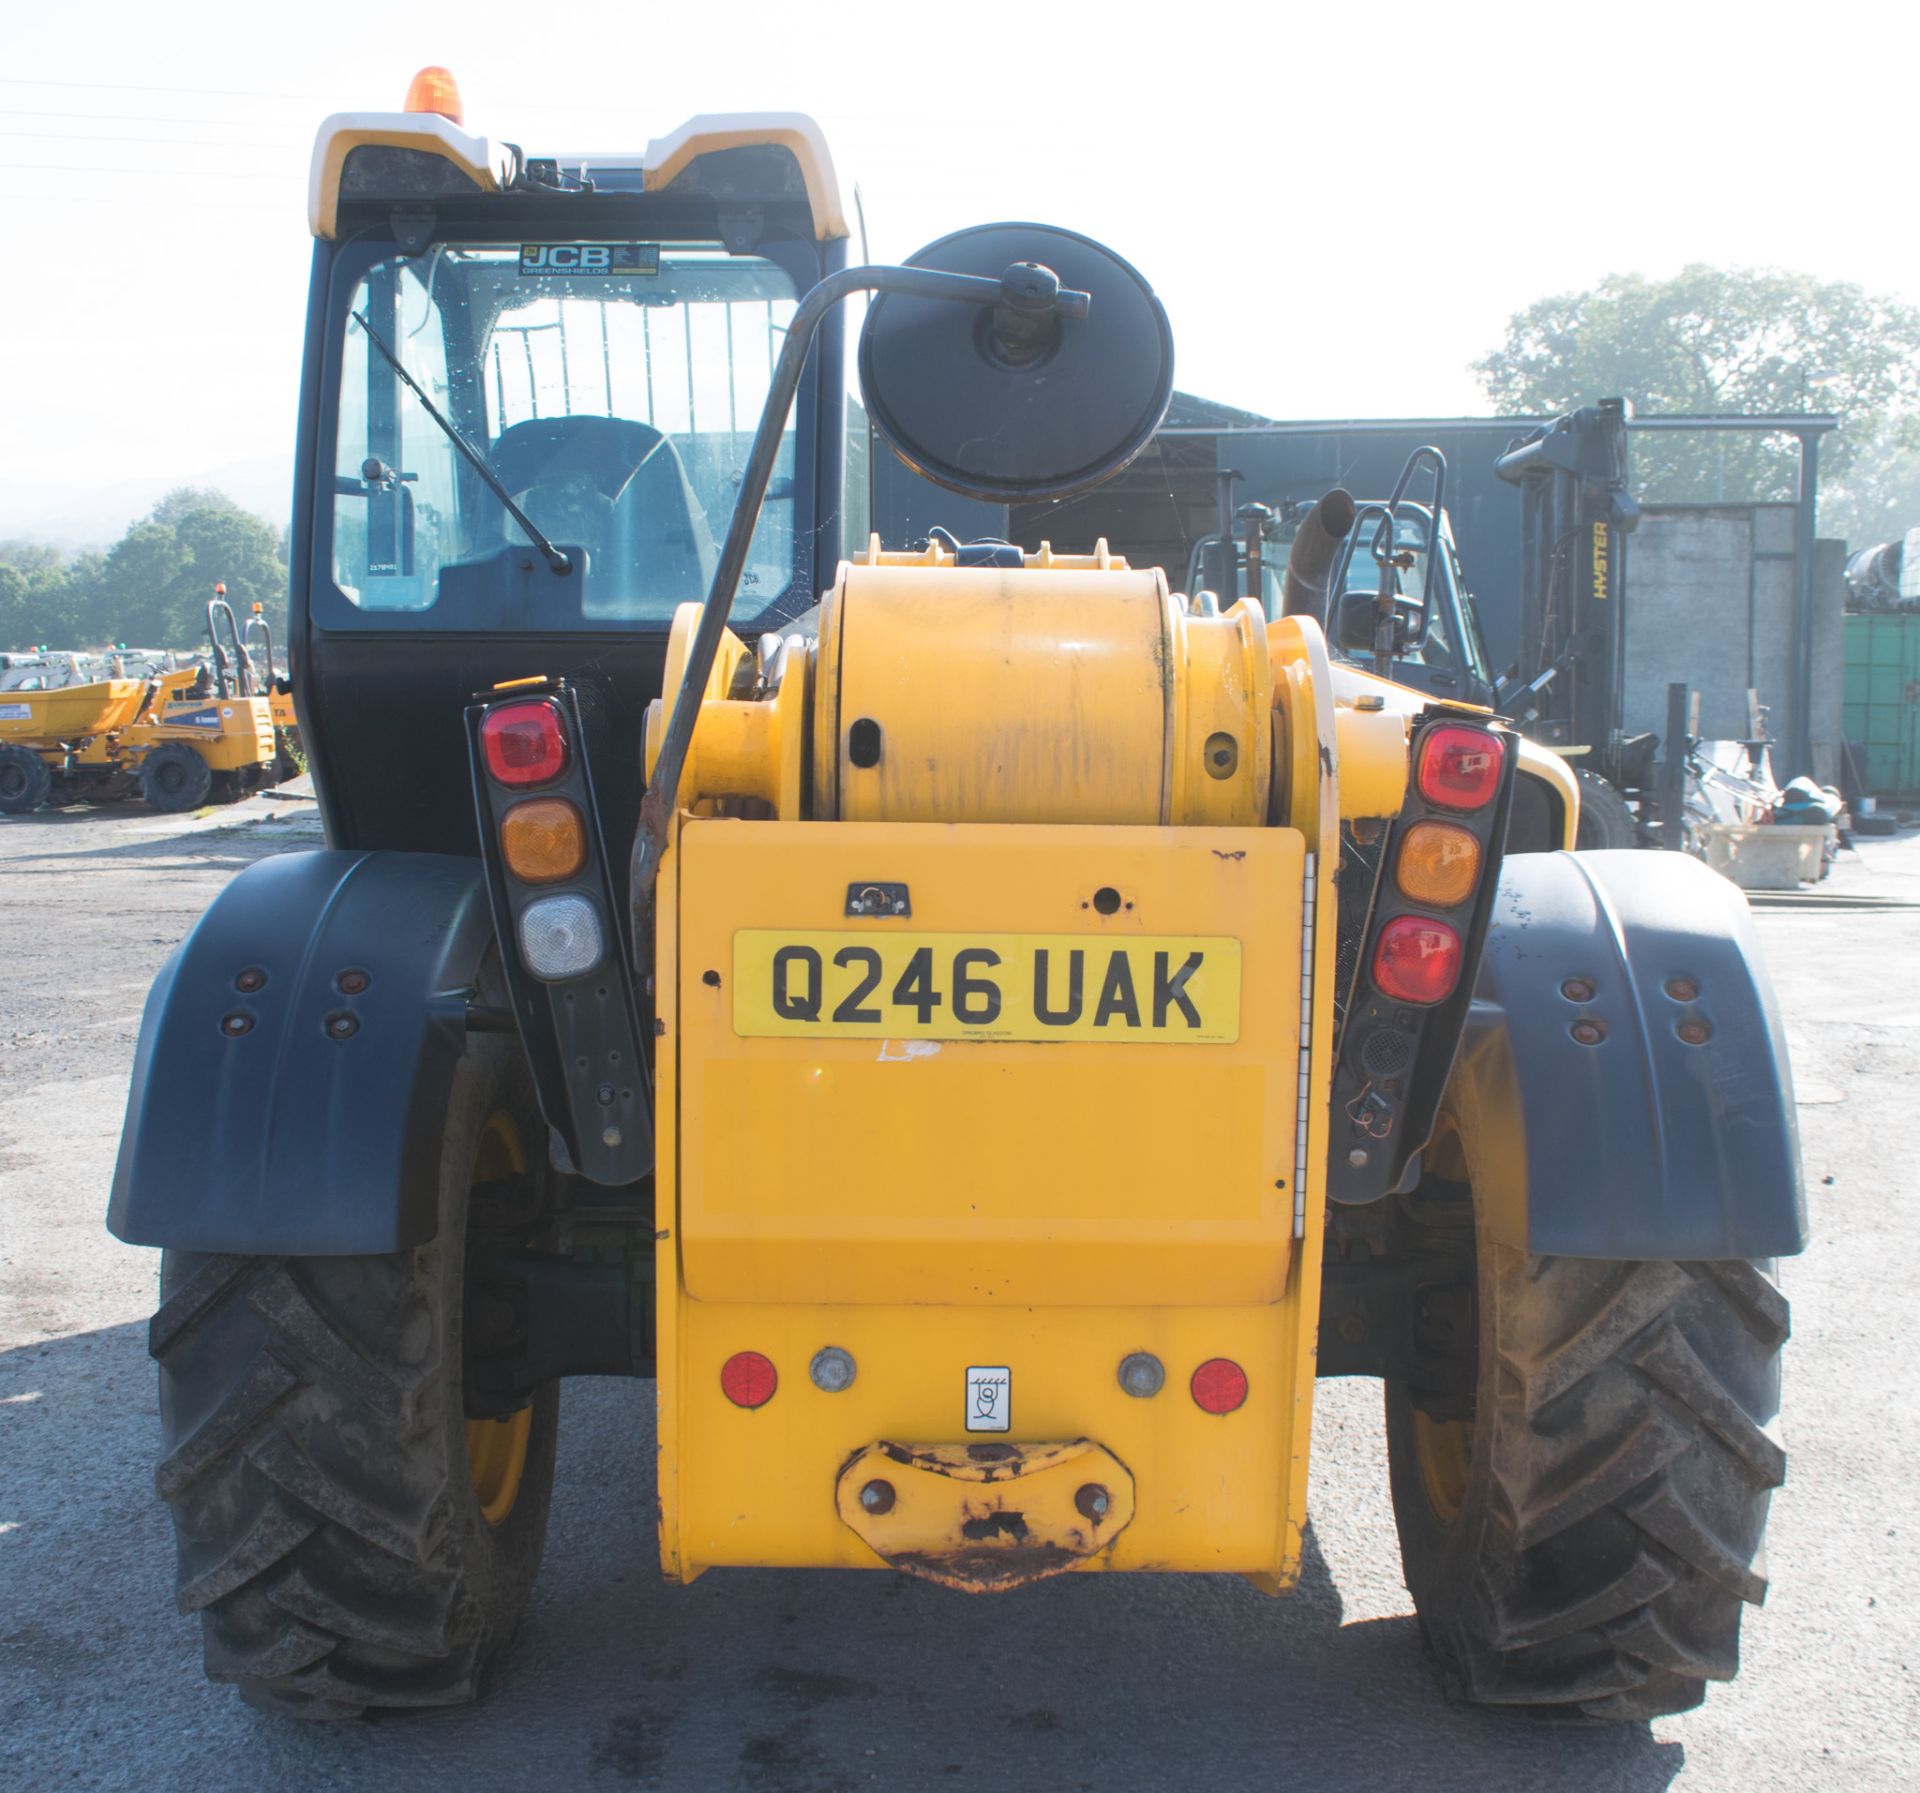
(299, 1117)
(1638, 1145)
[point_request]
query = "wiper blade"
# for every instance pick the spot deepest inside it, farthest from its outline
(557, 558)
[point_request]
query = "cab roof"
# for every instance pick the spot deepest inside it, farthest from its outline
(438, 158)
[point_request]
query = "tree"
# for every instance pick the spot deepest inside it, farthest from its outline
(152, 588)
(35, 595)
(1732, 340)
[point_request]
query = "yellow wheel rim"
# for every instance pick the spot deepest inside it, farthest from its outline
(496, 1459)
(1444, 1450)
(497, 1448)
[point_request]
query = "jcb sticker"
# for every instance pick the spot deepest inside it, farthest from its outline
(1163, 990)
(989, 1398)
(589, 258)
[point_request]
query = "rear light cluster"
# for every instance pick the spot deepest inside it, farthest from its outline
(555, 914)
(1421, 912)
(1457, 768)
(1219, 1386)
(543, 839)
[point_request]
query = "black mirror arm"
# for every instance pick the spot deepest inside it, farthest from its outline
(1018, 296)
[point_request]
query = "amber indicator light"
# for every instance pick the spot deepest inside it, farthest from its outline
(1439, 864)
(543, 840)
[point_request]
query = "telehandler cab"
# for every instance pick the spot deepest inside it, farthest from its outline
(981, 1038)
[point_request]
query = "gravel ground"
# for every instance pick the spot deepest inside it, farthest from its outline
(789, 1682)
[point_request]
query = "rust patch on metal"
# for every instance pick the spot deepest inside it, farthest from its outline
(987, 1517)
(987, 1571)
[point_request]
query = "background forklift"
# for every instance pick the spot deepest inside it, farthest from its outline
(1565, 689)
(981, 1038)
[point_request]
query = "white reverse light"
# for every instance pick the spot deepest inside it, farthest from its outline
(560, 937)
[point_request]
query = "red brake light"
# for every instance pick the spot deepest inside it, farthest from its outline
(748, 1380)
(1219, 1385)
(525, 743)
(1460, 766)
(1416, 960)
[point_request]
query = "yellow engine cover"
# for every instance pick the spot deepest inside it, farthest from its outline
(1075, 694)
(1008, 1094)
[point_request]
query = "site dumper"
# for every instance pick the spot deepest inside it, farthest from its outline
(181, 738)
(980, 1032)
(44, 734)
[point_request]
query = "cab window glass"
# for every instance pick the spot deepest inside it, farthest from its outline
(613, 389)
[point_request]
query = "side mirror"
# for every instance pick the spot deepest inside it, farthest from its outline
(1017, 403)
(1356, 623)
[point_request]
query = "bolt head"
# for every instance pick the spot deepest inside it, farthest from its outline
(877, 1497)
(1694, 1032)
(1588, 1033)
(352, 983)
(234, 1025)
(1357, 1157)
(1577, 989)
(250, 980)
(1142, 1374)
(1682, 989)
(832, 1369)
(1093, 1502)
(342, 1027)
(611, 1137)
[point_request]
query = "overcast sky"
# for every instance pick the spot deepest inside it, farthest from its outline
(1340, 205)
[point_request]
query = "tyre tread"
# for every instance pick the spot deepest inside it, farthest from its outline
(1628, 1486)
(318, 1597)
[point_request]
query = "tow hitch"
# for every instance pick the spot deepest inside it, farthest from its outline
(985, 1518)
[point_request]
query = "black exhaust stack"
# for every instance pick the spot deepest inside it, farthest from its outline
(1316, 545)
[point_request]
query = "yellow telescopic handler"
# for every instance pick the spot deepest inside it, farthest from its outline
(981, 1030)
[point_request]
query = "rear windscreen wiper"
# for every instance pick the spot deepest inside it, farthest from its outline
(556, 558)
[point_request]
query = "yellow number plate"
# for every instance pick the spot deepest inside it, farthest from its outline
(1165, 990)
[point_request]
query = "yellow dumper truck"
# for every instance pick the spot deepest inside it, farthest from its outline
(180, 738)
(980, 1032)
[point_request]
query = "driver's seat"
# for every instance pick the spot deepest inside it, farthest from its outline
(617, 488)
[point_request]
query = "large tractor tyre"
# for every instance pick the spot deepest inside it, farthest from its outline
(1585, 1544)
(350, 1539)
(1605, 819)
(24, 781)
(174, 778)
